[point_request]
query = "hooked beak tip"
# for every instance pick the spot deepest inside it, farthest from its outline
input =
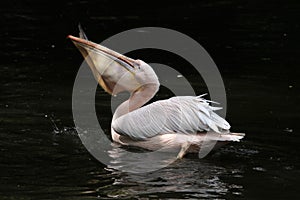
(71, 37)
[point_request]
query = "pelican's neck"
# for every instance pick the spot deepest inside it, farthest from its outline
(137, 99)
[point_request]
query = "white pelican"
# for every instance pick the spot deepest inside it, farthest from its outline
(183, 122)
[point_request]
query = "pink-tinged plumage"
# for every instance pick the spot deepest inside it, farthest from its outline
(187, 123)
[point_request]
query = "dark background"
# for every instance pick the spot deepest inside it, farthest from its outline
(255, 45)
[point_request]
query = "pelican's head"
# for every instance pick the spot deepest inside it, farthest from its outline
(116, 72)
(145, 75)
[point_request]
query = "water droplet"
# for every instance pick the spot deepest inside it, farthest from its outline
(237, 193)
(265, 59)
(288, 167)
(260, 169)
(288, 130)
(179, 76)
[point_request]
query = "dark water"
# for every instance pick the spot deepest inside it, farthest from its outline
(255, 46)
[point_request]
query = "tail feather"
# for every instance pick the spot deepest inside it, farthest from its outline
(232, 137)
(235, 137)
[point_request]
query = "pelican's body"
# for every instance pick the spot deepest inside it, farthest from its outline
(184, 122)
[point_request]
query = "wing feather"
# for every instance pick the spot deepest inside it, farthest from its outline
(184, 114)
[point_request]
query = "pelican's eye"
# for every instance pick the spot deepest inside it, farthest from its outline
(137, 65)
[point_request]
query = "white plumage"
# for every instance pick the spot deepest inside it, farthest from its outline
(186, 122)
(183, 114)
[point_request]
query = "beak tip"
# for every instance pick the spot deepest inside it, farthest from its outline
(70, 37)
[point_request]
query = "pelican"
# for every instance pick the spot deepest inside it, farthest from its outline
(182, 122)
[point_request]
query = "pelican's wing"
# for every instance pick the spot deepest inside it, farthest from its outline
(185, 114)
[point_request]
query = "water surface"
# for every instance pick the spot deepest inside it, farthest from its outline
(255, 46)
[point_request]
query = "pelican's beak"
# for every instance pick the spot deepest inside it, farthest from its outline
(83, 44)
(110, 68)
